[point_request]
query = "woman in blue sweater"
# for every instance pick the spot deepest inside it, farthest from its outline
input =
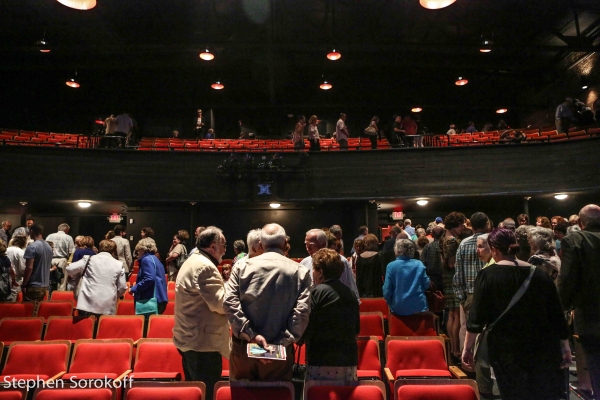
(405, 281)
(151, 277)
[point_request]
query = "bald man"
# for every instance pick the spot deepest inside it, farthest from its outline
(579, 286)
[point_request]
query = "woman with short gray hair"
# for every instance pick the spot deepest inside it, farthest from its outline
(406, 281)
(541, 241)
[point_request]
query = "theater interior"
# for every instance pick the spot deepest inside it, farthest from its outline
(142, 57)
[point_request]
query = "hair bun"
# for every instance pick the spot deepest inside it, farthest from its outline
(514, 248)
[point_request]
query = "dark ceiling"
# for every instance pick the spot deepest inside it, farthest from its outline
(142, 55)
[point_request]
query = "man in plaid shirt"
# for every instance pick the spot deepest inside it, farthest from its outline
(466, 268)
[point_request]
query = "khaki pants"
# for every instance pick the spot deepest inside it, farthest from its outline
(61, 263)
(242, 367)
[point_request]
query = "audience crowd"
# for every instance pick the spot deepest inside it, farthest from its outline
(509, 291)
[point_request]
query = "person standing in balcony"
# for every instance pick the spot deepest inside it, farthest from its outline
(298, 134)
(313, 134)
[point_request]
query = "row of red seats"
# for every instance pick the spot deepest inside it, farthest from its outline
(30, 138)
(156, 359)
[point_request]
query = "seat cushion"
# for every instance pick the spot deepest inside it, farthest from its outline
(366, 373)
(89, 375)
(172, 376)
(438, 373)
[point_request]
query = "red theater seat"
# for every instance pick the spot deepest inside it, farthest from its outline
(99, 359)
(373, 305)
(28, 360)
(13, 394)
(64, 295)
(16, 310)
(70, 328)
(412, 325)
(121, 327)
(126, 307)
(160, 327)
(49, 309)
(75, 394)
(369, 360)
(20, 329)
(166, 391)
(254, 390)
(371, 324)
(157, 359)
(338, 390)
(435, 389)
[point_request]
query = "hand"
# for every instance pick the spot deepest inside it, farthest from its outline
(15, 283)
(260, 340)
(468, 363)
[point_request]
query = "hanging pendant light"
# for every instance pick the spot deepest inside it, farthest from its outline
(325, 85)
(43, 46)
(436, 4)
(206, 55)
(485, 44)
(79, 4)
(73, 82)
(217, 85)
(416, 109)
(334, 55)
(460, 81)
(501, 110)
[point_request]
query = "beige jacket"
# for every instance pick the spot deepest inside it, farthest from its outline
(200, 322)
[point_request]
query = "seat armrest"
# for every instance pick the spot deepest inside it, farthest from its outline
(55, 377)
(123, 375)
(457, 372)
(389, 375)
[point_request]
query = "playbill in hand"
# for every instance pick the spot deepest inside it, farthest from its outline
(271, 352)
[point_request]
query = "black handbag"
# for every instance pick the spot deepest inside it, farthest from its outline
(299, 371)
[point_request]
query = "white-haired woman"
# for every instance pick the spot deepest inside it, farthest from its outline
(16, 253)
(541, 241)
(150, 283)
(406, 281)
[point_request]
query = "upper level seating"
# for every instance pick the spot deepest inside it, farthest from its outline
(46, 139)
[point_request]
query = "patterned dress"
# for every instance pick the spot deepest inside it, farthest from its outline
(448, 249)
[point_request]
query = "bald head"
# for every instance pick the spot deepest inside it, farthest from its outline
(589, 216)
(272, 236)
(436, 232)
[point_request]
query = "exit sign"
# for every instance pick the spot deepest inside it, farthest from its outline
(114, 219)
(397, 215)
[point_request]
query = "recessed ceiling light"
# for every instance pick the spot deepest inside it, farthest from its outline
(325, 85)
(84, 204)
(275, 205)
(207, 55)
(416, 109)
(79, 4)
(501, 110)
(435, 4)
(560, 196)
(460, 81)
(422, 202)
(334, 55)
(217, 85)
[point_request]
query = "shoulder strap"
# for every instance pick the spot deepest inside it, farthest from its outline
(86, 266)
(517, 295)
(153, 262)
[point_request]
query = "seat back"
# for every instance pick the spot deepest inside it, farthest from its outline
(51, 308)
(157, 355)
(16, 310)
(13, 394)
(340, 390)
(75, 394)
(126, 307)
(373, 305)
(166, 391)
(371, 324)
(253, 390)
(64, 295)
(37, 358)
(101, 356)
(120, 327)
(405, 353)
(368, 355)
(412, 325)
(434, 389)
(20, 329)
(70, 328)
(160, 327)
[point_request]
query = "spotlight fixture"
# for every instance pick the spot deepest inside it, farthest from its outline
(584, 83)
(79, 4)
(325, 85)
(501, 110)
(485, 44)
(416, 109)
(435, 4)
(334, 55)
(73, 82)
(84, 204)
(217, 85)
(422, 202)
(560, 196)
(275, 205)
(460, 81)
(206, 55)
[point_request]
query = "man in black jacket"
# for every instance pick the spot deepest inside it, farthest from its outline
(579, 286)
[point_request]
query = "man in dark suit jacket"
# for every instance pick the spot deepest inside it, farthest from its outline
(579, 286)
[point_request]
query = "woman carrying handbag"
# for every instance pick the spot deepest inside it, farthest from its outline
(150, 289)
